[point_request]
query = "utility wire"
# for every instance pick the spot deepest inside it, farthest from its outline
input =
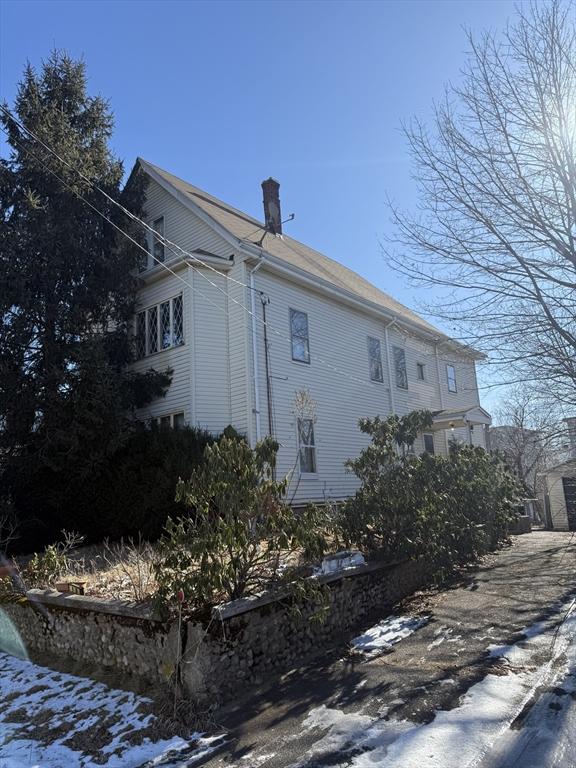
(119, 205)
(169, 246)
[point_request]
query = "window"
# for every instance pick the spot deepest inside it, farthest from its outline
(178, 420)
(152, 317)
(451, 378)
(299, 336)
(165, 326)
(375, 357)
(170, 421)
(400, 368)
(157, 243)
(160, 327)
(420, 371)
(429, 443)
(177, 322)
(306, 446)
(140, 335)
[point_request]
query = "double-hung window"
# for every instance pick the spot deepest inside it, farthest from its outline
(375, 358)
(429, 443)
(307, 446)
(400, 367)
(299, 336)
(451, 378)
(160, 327)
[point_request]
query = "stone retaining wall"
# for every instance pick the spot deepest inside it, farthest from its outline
(246, 643)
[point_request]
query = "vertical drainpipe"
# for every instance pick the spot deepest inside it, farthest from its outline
(392, 404)
(440, 392)
(255, 349)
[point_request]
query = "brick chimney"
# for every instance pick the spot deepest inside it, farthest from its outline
(272, 214)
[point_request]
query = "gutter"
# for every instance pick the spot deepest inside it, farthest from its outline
(252, 250)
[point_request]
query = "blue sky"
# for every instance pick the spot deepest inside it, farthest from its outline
(226, 94)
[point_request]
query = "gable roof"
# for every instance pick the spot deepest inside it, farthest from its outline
(294, 253)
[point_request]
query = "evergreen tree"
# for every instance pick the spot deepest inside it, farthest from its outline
(67, 291)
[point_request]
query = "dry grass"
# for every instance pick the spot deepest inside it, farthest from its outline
(122, 571)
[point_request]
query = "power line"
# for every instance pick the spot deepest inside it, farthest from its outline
(171, 271)
(119, 205)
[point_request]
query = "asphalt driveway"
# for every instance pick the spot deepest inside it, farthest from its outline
(348, 709)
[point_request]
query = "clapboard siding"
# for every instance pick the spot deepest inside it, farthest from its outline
(558, 511)
(213, 374)
(210, 366)
(338, 340)
(179, 396)
(181, 225)
(201, 367)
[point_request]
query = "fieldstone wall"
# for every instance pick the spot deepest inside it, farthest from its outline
(245, 643)
(98, 633)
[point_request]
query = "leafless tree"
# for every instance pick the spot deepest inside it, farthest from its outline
(531, 435)
(496, 176)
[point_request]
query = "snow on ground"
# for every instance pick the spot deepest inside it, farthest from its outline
(462, 736)
(387, 633)
(51, 720)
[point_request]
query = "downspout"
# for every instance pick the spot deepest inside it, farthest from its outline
(255, 348)
(265, 301)
(392, 404)
(440, 393)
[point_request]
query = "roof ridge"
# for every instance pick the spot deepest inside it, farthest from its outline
(339, 273)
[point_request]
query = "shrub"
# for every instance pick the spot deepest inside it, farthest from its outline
(135, 494)
(448, 509)
(130, 495)
(42, 570)
(242, 535)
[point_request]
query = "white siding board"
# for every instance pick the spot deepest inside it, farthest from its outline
(210, 369)
(178, 397)
(558, 511)
(213, 371)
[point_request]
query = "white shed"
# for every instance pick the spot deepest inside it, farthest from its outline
(560, 498)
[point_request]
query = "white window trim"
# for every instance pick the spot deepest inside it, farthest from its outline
(297, 359)
(156, 307)
(304, 475)
(157, 419)
(368, 340)
(429, 434)
(402, 349)
(423, 365)
(455, 390)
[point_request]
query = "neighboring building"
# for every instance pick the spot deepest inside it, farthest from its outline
(334, 348)
(560, 496)
(560, 487)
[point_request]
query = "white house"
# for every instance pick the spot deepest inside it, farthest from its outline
(270, 336)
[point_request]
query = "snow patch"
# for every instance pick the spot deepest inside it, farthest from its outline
(66, 708)
(387, 633)
(459, 737)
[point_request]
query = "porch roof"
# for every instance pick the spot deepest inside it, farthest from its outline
(452, 419)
